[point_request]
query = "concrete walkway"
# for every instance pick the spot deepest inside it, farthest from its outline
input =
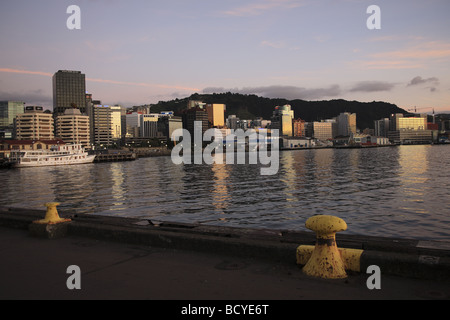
(36, 268)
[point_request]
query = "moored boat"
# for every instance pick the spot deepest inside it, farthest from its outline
(67, 154)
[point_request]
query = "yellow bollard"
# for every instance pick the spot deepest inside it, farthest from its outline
(326, 260)
(51, 217)
(350, 257)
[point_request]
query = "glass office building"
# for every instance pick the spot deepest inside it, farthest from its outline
(8, 112)
(69, 91)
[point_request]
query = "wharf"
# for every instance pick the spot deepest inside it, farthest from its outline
(126, 258)
(117, 156)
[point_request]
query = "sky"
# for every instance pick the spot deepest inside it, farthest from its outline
(139, 52)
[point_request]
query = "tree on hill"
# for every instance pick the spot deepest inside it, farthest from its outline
(252, 106)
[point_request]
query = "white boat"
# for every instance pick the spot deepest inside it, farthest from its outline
(55, 156)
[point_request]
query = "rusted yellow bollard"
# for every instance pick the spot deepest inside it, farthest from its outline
(326, 260)
(51, 216)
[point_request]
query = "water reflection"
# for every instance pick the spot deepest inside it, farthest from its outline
(400, 191)
(413, 161)
(290, 176)
(118, 190)
(220, 195)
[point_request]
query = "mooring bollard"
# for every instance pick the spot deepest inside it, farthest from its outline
(326, 259)
(52, 226)
(51, 216)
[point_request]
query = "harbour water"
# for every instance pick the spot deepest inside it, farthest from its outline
(400, 192)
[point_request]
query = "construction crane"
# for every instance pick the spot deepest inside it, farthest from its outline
(415, 109)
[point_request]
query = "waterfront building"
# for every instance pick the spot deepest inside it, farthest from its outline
(244, 124)
(8, 112)
(409, 130)
(412, 123)
(299, 128)
(34, 124)
(107, 124)
(216, 115)
(260, 123)
(189, 116)
(380, 140)
(69, 90)
(73, 127)
(346, 124)
(297, 142)
(382, 127)
(149, 125)
(282, 120)
(232, 122)
(133, 124)
(168, 124)
(323, 130)
(367, 139)
(192, 104)
(409, 136)
(6, 146)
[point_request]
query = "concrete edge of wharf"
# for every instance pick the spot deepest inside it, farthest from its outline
(399, 257)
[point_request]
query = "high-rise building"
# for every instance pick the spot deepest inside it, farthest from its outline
(409, 129)
(299, 128)
(133, 124)
(69, 91)
(191, 115)
(195, 104)
(282, 120)
(382, 127)
(107, 124)
(346, 124)
(34, 124)
(323, 130)
(8, 112)
(232, 122)
(216, 115)
(149, 125)
(73, 127)
(168, 124)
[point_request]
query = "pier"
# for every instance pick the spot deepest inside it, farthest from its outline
(115, 156)
(125, 258)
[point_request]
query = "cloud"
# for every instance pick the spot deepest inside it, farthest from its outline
(420, 54)
(138, 84)
(372, 86)
(39, 73)
(31, 97)
(259, 7)
(390, 64)
(419, 80)
(141, 84)
(285, 92)
(271, 44)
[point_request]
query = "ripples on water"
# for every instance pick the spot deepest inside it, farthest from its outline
(394, 191)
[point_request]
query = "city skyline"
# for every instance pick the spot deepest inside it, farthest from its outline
(142, 52)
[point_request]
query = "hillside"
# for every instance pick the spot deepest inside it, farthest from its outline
(252, 106)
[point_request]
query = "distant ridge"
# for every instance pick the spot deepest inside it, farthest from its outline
(252, 106)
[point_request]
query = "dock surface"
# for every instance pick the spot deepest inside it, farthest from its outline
(138, 259)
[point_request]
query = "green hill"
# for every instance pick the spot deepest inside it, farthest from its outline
(252, 106)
